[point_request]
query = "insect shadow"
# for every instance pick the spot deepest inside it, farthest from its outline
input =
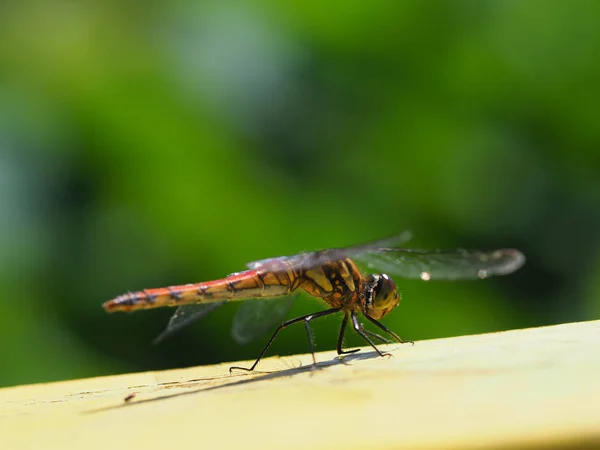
(247, 379)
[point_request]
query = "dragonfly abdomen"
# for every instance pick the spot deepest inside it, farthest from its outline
(244, 285)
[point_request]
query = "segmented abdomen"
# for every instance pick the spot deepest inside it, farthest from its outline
(244, 285)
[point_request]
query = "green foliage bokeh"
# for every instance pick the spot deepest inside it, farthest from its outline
(150, 144)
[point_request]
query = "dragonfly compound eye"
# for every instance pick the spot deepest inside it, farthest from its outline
(385, 297)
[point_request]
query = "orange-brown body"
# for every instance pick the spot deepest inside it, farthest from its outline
(328, 274)
(336, 282)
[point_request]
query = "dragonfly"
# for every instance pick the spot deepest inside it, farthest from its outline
(341, 277)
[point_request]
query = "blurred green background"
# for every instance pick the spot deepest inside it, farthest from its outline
(144, 144)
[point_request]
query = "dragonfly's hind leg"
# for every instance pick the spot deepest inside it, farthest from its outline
(286, 324)
(340, 342)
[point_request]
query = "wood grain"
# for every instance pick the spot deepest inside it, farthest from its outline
(517, 389)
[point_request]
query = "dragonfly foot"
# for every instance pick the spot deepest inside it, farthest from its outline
(245, 369)
(348, 352)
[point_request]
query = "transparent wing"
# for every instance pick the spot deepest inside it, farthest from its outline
(442, 264)
(318, 258)
(185, 315)
(258, 316)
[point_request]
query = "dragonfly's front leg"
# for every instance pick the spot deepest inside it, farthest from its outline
(360, 330)
(387, 330)
(375, 335)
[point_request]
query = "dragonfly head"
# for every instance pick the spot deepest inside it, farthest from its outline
(381, 296)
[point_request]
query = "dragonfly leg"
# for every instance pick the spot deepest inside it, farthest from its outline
(359, 329)
(286, 324)
(341, 338)
(375, 335)
(387, 330)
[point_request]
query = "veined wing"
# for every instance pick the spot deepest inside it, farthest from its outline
(313, 259)
(185, 315)
(387, 256)
(255, 317)
(442, 264)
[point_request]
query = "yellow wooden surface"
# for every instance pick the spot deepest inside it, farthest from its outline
(523, 388)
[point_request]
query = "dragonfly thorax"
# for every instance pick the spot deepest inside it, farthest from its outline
(381, 296)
